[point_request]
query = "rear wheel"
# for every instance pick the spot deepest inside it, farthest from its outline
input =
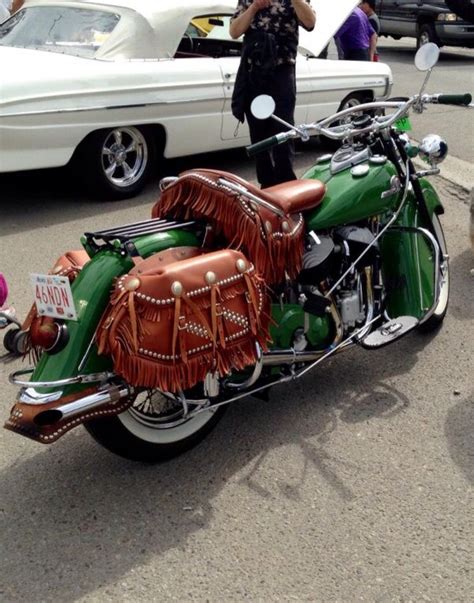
(154, 428)
(116, 163)
(436, 319)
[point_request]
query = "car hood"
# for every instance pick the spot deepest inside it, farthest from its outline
(329, 18)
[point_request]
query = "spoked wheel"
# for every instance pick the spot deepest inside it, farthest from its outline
(437, 317)
(116, 163)
(154, 429)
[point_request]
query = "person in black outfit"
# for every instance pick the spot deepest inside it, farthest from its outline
(267, 66)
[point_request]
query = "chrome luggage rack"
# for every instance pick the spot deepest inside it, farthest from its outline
(122, 236)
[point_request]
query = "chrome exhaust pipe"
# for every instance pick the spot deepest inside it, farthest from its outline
(112, 395)
(290, 357)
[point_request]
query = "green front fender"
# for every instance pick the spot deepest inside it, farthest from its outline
(91, 292)
(407, 259)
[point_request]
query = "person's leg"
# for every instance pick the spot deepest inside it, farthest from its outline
(285, 99)
(260, 129)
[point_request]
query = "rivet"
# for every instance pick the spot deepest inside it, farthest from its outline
(210, 277)
(177, 289)
(132, 284)
(241, 265)
(285, 226)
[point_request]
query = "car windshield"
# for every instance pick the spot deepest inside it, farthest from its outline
(76, 31)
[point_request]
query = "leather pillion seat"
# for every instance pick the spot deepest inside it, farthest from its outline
(292, 197)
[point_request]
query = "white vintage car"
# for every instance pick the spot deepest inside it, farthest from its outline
(118, 85)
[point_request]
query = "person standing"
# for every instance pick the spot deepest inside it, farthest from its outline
(368, 7)
(267, 66)
(356, 37)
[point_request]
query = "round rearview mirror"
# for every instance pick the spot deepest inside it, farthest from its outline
(426, 57)
(262, 106)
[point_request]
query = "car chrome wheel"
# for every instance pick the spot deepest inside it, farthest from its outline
(124, 156)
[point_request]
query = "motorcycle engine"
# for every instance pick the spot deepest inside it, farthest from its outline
(327, 257)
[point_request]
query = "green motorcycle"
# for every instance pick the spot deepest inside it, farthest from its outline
(147, 335)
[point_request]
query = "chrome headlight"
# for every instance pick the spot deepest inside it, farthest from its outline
(448, 17)
(433, 149)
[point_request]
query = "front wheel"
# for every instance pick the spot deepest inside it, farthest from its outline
(426, 34)
(154, 429)
(436, 319)
(116, 163)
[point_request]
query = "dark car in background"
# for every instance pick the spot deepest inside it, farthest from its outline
(444, 23)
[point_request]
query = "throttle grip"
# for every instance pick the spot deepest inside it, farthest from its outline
(454, 99)
(262, 145)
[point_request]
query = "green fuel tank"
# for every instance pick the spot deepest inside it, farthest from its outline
(353, 194)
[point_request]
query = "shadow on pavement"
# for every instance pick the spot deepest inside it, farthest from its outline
(46, 197)
(112, 515)
(459, 431)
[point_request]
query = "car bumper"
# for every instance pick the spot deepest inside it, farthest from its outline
(456, 34)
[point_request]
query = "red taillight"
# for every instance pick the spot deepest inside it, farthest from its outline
(44, 333)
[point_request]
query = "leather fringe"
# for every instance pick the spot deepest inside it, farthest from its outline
(272, 253)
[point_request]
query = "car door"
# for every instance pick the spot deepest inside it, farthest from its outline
(398, 17)
(188, 97)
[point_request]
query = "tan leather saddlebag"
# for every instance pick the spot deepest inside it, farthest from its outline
(168, 326)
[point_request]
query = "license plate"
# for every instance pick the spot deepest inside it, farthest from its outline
(53, 296)
(403, 124)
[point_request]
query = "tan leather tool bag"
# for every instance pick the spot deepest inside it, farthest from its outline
(168, 326)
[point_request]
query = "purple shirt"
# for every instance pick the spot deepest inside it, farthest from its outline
(355, 32)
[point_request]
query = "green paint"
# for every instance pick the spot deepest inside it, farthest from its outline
(291, 317)
(407, 266)
(91, 292)
(349, 199)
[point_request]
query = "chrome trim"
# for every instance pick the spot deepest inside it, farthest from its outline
(110, 396)
(10, 319)
(109, 107)
(91, 378)
(243, 191)
(165, 182)
(395, 187)
(32, 397)
(257, 371)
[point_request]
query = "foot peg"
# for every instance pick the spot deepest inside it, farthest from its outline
(388, 332)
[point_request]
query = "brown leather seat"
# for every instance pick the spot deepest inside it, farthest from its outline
(292, 197)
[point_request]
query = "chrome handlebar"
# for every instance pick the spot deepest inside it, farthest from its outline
(379, 123)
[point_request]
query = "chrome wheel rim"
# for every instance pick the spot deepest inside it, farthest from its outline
(424, 38)
(158, 419)
(124, 156)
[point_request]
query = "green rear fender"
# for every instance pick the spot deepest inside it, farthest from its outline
(91, 292)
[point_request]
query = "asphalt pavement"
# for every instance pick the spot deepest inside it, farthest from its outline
(354, 484)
